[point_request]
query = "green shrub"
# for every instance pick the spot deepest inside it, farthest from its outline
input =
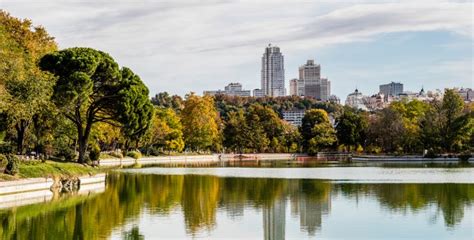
(134, 154)
(464, 157)
(359, 149)
(94, 153)
(3, 161)
(67, 154)
(6, 148)
(430, 154)
(12, 167)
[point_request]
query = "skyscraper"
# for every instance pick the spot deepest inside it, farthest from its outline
(314, 85)
(273, 72)
(325, 89)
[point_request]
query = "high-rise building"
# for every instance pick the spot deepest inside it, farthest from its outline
(300, 87)
(294, 87)
(273, 72)
(314, 85)
(392, 89)
(325, 89)
(311, 76)
(233, 89)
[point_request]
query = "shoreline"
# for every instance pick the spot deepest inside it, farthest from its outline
(222, 158)
(32, 190)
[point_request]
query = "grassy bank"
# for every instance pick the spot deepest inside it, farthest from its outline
(35, 169)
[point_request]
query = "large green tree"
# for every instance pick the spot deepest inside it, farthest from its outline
(136, 110)
(386, 130)
(317, 131)
(351, 128)
(166, 131)
(411, 113)
(447, 125)
(201, 123)
(236, 131)
(24, 89)
(91, 88)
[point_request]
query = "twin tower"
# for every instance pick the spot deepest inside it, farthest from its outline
(309, 83)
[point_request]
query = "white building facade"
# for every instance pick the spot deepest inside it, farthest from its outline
(294, 116)
(273, 72)
(232, 89)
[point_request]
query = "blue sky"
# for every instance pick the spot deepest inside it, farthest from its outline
(182, 46)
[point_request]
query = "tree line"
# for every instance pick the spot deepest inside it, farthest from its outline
(77, 102)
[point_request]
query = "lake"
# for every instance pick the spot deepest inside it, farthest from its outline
(338, 202)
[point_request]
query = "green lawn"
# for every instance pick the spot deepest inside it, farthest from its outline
(33, 169)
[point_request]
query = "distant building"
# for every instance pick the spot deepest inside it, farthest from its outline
(466, 94)
(325, 89)
(356, 100)
(392, 89)
(300, 87)
(314, 85)
(258, 93)
(232, 89)
(375, 102)
(273, 72)
(294, 87)
(294, 117)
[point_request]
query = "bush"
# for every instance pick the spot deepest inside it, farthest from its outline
(3, 161)
(12, 167)
(464, 157)
(374, 149)
(359, 149)
(430, 154)
(94, 153)
(6, 148)
(134, 154)
(67, 154)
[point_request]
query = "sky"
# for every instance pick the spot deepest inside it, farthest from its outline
(182, 46)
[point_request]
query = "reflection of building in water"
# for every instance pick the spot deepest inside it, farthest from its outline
(310, 206)
(274, 217)
(311, 211)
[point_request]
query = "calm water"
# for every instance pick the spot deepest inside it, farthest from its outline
(259, 203)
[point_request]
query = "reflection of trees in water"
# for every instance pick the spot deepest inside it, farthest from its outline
(450, 199)
(127, 195)
(133, 234)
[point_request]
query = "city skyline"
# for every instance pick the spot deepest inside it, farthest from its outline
(360, 44)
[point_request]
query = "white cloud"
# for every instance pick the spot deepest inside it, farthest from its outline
(181, 46)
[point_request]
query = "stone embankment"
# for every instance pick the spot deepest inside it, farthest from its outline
(33, 190)
(195, 159)
(221, 158)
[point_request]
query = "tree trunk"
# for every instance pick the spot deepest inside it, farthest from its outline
(83, 139)
(21, 130)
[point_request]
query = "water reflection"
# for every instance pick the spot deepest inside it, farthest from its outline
(199, 199)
